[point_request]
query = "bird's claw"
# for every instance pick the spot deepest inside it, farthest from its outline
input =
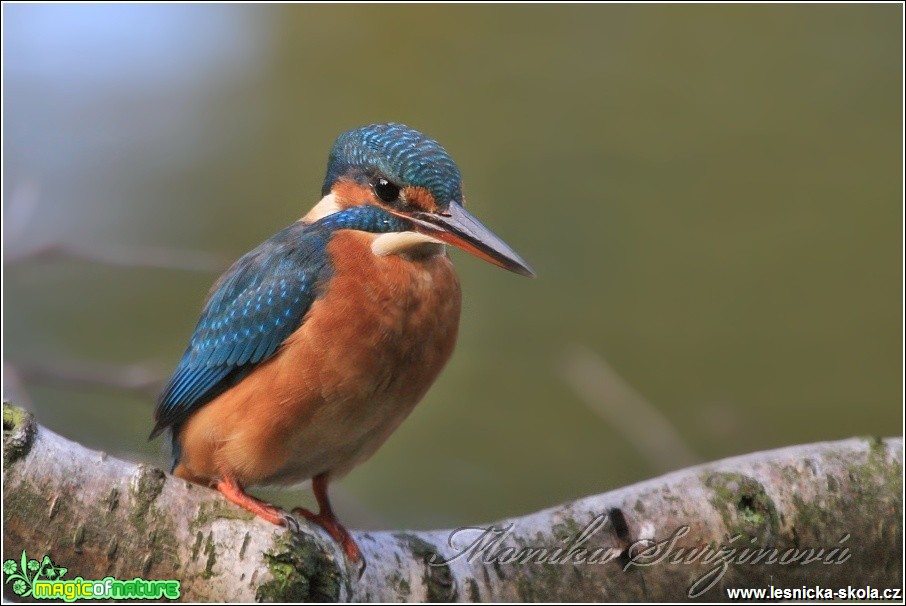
(291, 523)
(361, 564)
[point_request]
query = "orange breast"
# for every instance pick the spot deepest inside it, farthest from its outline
(366, 353)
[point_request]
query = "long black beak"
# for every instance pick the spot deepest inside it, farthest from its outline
(462, 230)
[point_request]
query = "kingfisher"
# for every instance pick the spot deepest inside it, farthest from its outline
(314, 347)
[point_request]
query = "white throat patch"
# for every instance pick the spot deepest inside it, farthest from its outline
(327, 206)
(405, 242)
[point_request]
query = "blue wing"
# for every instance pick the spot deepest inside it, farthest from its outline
(259, 302)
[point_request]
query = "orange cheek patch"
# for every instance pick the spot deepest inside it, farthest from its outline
(350, 193)
(421, 198)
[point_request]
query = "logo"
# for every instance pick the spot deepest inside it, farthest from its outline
(43, 580)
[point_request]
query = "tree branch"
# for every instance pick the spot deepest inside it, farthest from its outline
(138, 378)
(832, 510)
(121, 256)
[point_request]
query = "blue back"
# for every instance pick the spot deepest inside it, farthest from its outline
(259, 302)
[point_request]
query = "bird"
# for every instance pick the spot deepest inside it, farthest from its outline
(312, 348)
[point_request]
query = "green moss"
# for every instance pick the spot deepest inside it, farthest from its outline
(880, 477)
(750, 515)
(438, 579)
(28, 502)
(872, 483)
(112, 500)
(472, 589)
(541, 583)
(19, 431)
(218, 509)
(568, 528)
(302, 571)
(876, 444)
(164, 543)
(669, 497)
(744, 506)
(212, 557)
(145, 486)
(404, 588)
(877, 476)
(196, 547)
(527, 591)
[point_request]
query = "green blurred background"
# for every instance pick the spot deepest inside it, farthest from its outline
(711, 196)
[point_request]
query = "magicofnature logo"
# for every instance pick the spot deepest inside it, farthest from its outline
(43, 580)
(24, 573)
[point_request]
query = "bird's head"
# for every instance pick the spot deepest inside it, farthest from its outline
(412, 177)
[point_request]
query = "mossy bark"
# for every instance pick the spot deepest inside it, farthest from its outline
(100, 517)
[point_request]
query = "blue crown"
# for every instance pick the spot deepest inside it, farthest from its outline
(401, 155)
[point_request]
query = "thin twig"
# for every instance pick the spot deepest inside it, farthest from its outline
(606, 393)
(121, 256)
(21, 208)
(138, 378)
(13, 387)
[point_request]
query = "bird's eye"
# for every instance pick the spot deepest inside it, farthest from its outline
(385, 190)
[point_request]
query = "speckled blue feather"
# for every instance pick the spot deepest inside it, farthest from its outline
(404, 156)
(256, 305)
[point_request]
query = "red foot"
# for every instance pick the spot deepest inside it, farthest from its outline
(326, 519)
(235, 494)
(335, 530)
